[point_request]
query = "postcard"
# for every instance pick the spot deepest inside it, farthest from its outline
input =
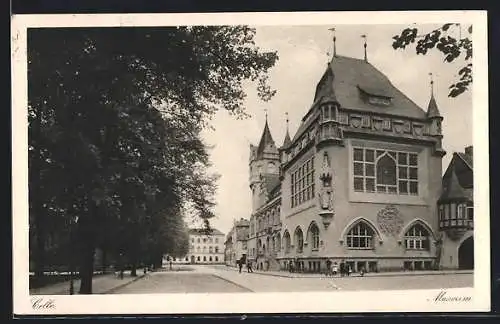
(250, 163)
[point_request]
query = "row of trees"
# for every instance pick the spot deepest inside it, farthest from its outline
(115, 151)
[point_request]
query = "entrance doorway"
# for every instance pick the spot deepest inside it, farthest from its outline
(192, 259)
(466, 254)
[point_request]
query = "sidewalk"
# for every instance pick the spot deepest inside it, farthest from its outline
(101, 284)
(287, 274)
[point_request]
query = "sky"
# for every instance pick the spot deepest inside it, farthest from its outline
(303, 55)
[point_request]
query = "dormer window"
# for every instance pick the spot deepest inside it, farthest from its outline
(375, 95)
(379, 101)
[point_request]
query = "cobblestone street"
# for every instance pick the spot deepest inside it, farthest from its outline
(218, 279)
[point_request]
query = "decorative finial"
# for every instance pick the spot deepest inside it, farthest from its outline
(265, 112)
(432, 83)
(286, 114)
(364, 36)
(334, 42)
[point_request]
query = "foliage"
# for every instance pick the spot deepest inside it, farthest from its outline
(115, 116)
(444, 40)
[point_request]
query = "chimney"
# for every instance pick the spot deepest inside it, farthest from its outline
(468, 151)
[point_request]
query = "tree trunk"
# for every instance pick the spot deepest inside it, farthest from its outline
(104, 260)
(87, 265)
(133, 271)
(35, 199)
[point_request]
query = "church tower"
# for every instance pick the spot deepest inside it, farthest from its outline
(264, 163)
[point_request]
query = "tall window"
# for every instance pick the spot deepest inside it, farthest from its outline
(198, 240)
(299, 240)
(286, 241)
(314, 235)
(302, 183)
(216, 240)
(210, 249)
(385, 171)
(360, 236)
(278, 242)
(216, 249)
(417, 238)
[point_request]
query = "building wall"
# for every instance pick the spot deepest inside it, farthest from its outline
(450, 250)
(200, 248)
(349, 206)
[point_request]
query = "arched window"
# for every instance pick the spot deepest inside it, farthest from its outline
(360, 236)
(386, 174)
(198, 258)
(299, 240)
(186, 259)
(210, 259)
(198, 249)
(314, 236)
(286, 241)
(417, 238)
(216, 249)
(204, 259)
(210, 249)
(204, 249)
(216, 259)
(278, 242)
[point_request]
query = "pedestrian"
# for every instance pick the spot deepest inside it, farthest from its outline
(335, 269)
(240, 265)
(328, 267)
(349, 270)
(362, 271)
(249, 266)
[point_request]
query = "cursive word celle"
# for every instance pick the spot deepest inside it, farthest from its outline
(444, 297)
(40, 303)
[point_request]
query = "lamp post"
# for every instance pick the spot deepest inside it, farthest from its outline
(72, 261)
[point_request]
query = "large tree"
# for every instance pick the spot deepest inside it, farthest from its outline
(114, 130)
(453, 40)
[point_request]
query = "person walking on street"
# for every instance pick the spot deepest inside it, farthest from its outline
(249, 266)
(335, 269)
(240, 265)
(328, 268)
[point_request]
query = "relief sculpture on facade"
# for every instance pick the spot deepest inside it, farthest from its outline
(326, 194)
(390, 221)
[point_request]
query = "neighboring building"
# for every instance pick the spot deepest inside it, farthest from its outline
(236, 242)
(204, 248)
(359, 182)
(456, 213)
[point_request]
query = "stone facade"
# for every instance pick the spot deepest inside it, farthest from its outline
(204, 247)
(359, 182)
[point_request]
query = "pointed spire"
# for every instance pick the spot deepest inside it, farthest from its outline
(334, 42)
(432, 108)
(287, 140)
(365, 45)
(265, 140)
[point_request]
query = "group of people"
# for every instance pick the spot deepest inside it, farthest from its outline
(242, 262)
(344, 269)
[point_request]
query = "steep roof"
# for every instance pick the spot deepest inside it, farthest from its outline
(266, 141)
(467, 159)
(458, 178)
(432, 108)
(271, 181)
(352, 75)
(287, 140)
(204, 231)
(345, 81)
(452, 189)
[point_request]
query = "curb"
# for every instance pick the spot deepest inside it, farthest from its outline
(110, 291)
(232, 282)
(404, 274)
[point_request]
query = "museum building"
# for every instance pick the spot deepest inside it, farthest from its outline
(360, 182)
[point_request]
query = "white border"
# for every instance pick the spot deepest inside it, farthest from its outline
(367, 301)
